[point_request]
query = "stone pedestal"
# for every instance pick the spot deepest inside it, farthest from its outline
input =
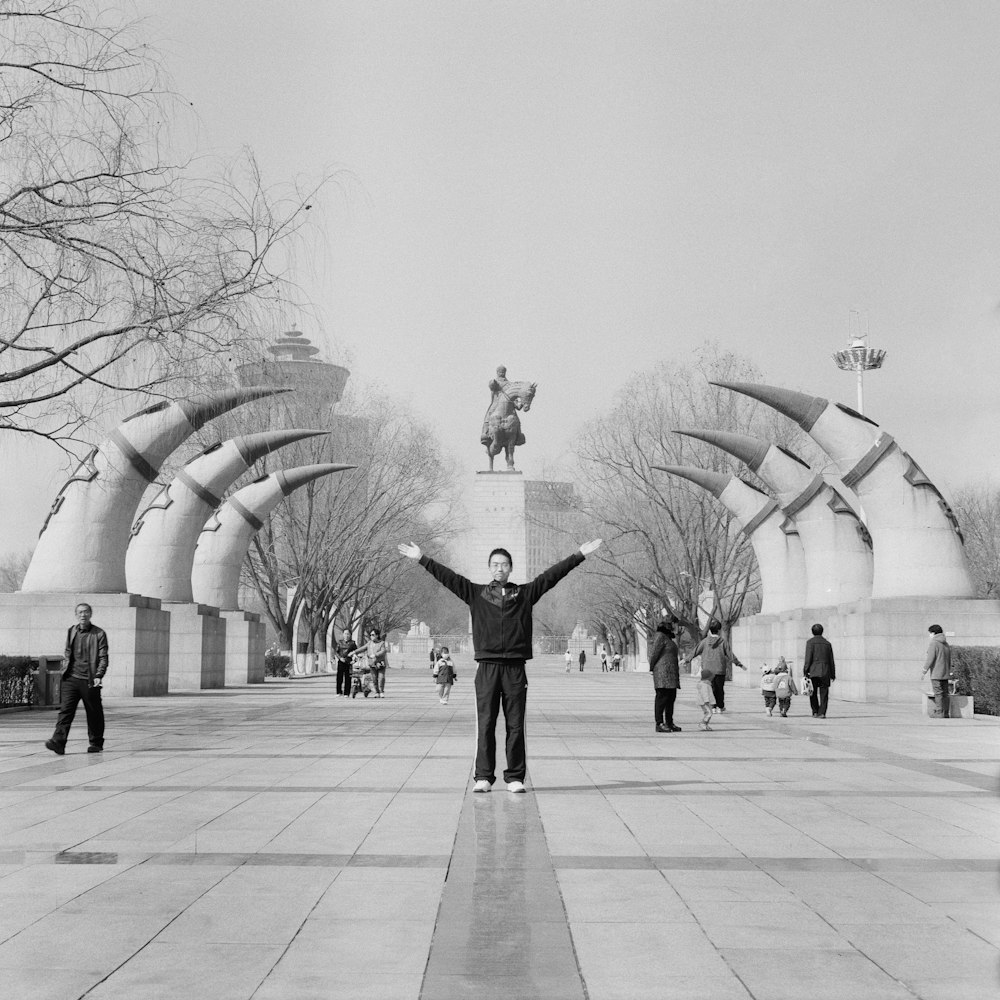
(960, 706)
(197, 647)
(879, 644)
(245, 635)
(138, 629)
(498, 519)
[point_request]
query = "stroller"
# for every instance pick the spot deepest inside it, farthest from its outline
(361, 675)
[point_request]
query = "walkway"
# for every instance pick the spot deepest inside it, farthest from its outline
(281, 843)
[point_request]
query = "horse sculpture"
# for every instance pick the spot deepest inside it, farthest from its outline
(501, 425)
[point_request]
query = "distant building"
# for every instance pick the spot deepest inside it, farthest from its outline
(549, 516)
(293, 363)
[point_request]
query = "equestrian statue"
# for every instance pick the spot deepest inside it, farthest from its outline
(501, 425)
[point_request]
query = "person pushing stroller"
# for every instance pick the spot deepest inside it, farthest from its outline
(361, 674)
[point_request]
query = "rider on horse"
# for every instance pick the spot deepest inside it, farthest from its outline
(501, 426)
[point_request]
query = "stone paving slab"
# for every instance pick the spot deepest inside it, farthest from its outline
(281, 843)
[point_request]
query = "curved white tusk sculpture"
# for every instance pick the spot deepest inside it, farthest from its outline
(837, 546)
(775, 541)
(81, 548)
(223, 544)
(918, 548)
(161, 551)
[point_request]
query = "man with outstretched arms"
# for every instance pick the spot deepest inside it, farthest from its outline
(501, 635)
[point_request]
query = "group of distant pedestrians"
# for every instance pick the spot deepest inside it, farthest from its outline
(612, 662)
(717, 661)
(608, 663)
(819, 671)
(361, 669)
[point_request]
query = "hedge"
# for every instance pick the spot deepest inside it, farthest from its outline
(17, 684)
(276, 665)
(976, 670)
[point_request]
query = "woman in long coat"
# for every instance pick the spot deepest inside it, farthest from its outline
(666, 677)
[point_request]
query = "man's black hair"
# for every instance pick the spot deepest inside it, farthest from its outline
(715, 628)
(817, 629)
(500, 552)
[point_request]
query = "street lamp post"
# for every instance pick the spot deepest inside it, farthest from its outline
(859, 357)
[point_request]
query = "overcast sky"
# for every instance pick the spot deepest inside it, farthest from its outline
(578, 190)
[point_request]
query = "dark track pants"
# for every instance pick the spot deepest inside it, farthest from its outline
(719, 690)
(73, 691)
(500, 684)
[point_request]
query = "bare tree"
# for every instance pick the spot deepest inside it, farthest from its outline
(977, 509)
(669, 543)
(120, 271)
(333, 543)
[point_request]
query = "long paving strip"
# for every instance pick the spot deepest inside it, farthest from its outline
(281, 843)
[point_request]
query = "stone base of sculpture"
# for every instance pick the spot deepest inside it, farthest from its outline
(245, 638)
(35, 624)
(879, 644)
(497, 517)
(197, 647)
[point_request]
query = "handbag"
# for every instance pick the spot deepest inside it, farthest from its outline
(807, 686)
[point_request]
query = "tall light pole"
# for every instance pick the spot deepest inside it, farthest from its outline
(859, 357)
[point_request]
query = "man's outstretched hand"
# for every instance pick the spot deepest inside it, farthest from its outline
(589, 547)
(409, 550)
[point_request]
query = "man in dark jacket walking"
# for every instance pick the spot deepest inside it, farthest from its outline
(819, 667)
(501, 636)
(85, 662)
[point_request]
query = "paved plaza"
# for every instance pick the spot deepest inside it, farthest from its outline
(281, 843)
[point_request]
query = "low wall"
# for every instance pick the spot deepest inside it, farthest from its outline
(879, 645)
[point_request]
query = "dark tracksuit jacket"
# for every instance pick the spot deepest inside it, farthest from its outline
(501, 613)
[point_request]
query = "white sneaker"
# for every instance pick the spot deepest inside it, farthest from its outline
(482, 785)
(515, 786)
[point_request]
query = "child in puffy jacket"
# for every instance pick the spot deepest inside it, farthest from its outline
(784, 686)
(444, 674)
(767, 679)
